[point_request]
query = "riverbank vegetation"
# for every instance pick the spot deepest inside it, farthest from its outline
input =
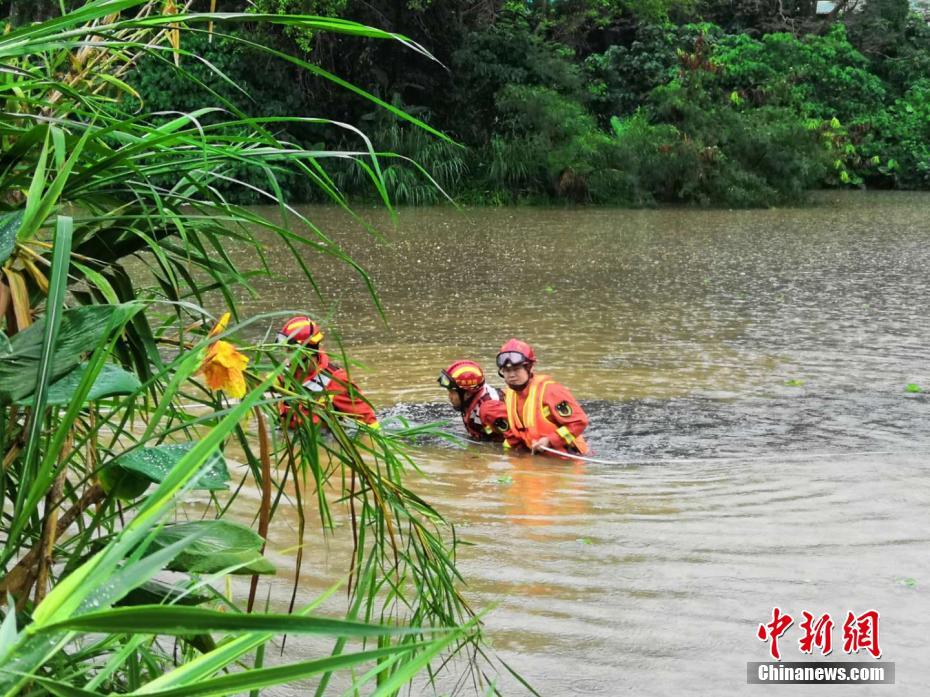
(127, 389)
(627, 102)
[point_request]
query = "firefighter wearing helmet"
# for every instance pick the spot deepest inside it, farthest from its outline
(480, 405)
(541, 412)
(326, 382)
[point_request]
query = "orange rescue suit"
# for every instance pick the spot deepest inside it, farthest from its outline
(544, 408)
(485, 416)
(330, 383)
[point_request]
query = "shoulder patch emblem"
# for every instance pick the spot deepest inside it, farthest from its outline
(563, 409)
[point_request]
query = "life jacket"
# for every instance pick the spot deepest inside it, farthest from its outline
(532, 422)
(471, 417)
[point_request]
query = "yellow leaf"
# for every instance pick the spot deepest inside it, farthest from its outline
(20, 297)
(37, 275)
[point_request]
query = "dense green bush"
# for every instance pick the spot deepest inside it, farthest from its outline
(592, 101)
(622, 76)
(819, 76)
(506, 54)
(897, 143)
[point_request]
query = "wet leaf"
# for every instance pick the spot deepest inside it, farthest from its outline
(912, 388)
(506, 479)
(797, 382)
(585, 540)
(157, 593)
(131, 474)
(111, 381)
(9, 226)
(908, 582)
(550, 289)
(81, 330)
(221, 544)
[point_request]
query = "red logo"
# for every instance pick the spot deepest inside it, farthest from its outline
(817, 634)
(774, 629)
(859, 633)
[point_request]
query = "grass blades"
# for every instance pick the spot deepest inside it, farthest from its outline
(91, 182)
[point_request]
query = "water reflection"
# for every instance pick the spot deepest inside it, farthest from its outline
(540, 492)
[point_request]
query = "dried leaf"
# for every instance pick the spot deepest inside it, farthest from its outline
(37, 275)
(20, 297)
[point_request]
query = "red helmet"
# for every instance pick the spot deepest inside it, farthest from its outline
(516, 352)
(301, 330)
(462, 375)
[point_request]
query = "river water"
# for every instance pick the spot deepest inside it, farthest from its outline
(746, 370)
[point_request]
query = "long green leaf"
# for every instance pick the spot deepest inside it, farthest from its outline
(38, 646)
(173, 620)
(61, 689)
(155, 592)
(223, 655)
(53, 312)
(268, 677)
(36, 214)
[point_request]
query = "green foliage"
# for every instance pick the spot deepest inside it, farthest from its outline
(215, 546)
(897, 141)
(80, 328)
(820, 76)
(525, 80)
(418, 169)
(131, 473)
(506, 54)
(908, 58)
(112, 380)
(642, 163)
(91, 179)
(621, 77)
(878, 27)
(302, 37)
(9, 226)
(253, 86)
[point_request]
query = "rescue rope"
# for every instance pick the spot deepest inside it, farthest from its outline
(670, 461)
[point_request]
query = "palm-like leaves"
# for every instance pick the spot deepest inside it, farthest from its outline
(81, 155)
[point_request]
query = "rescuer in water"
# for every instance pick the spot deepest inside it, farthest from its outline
(541, 413)
(327, 382)
(483, 413)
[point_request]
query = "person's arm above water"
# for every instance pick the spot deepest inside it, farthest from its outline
(565, 413)
(493, 415)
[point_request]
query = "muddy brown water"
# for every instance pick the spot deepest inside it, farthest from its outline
(745, 369)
